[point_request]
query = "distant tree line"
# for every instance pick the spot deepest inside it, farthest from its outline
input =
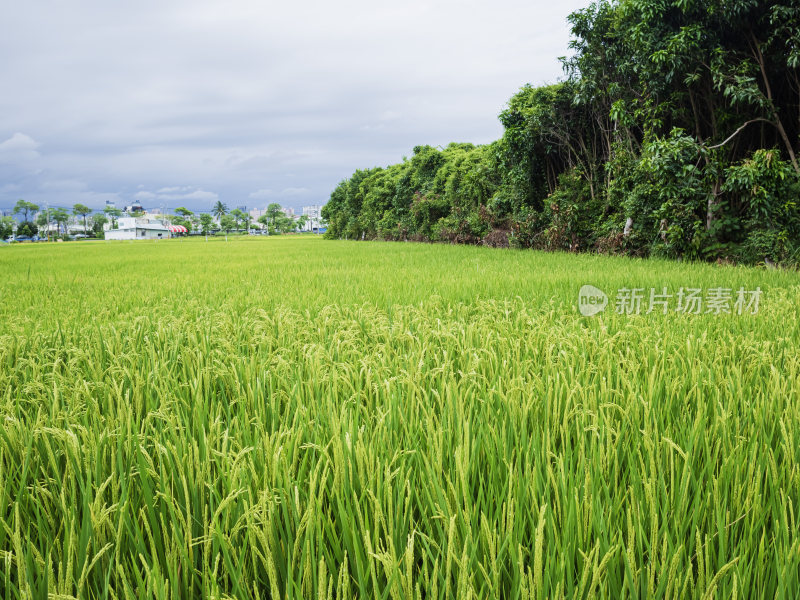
(36, 221)
(675, 133)
(274, 221)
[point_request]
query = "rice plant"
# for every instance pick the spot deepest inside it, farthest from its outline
(298, 418)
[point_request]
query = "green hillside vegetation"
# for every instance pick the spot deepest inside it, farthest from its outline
(675, 133)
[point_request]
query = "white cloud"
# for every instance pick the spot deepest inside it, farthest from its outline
(179, 193)
(262, 194)
(295, 191)
(64, 185)
(199, 195)
(287, 192)
(19, 142)
(18, 147)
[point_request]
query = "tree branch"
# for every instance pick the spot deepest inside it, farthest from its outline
(735, 133)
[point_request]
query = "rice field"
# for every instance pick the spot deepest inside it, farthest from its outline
(300, 418)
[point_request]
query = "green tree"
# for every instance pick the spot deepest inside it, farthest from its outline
(113, 214)
(98, 223)
(43, 221)
(238, 216)
(61, 217)
(286, 224)
(82, 210)
(227, 222)
(274, 212)
(219, 210)
(184, 217)
(27, 228)
(24, 208)
(206, 222)
(6, 227)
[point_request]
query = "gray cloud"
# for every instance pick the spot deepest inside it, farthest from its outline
(229, 100)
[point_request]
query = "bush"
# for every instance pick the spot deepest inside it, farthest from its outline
(426, 211)
(571, 215)
(669, 199)
(28, 228)
(526, 227)
(497, 238)
(761, 197)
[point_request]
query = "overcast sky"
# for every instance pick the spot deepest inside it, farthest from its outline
(181, 103)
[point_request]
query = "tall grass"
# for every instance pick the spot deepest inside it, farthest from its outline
(299, 418)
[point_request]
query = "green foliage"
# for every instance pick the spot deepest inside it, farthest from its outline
(763, 192)
(227, 222)
(571, 215)
(666, 110)
(436, 195)
(219, 210)
(184, 217)
(113, 214)
(276, 221)
(43, 220)
(206, 223)
(98, 223)
(82, 210)
(27, 228)
(61, 218)
(6, 227)
(670, 195)
(426, 212)
(26, 209)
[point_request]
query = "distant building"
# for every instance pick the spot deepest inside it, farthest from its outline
(138, 228)
(314, 214)
(257, 212)
(289, 212)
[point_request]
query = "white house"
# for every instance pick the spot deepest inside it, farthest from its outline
(138, 228)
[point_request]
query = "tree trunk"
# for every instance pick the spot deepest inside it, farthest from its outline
(628, 227)
(756, 46)
(713, 204)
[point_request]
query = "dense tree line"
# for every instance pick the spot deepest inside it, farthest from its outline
(676, 132)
